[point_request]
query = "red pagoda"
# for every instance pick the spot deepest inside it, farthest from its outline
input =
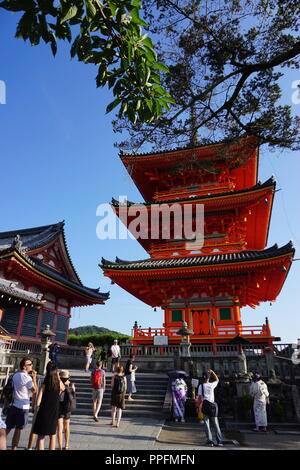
(39, 284)
(207, 285)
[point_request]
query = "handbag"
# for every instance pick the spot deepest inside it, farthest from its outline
(208, 408)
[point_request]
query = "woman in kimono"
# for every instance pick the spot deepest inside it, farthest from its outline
(259, 391)
(179, 392)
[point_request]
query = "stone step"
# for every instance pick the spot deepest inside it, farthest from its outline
(145, 393)
(129, 405)
(136, 397)
(125, 413)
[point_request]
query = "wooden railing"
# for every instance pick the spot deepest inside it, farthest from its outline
(204, 350)
(228, 330)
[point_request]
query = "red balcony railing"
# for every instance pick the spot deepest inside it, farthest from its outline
(221, 331)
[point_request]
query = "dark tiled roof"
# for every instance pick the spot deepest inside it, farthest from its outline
(32, 238)
(124, 154)
(59, 277)
(10, 288)
(270, 182)
(26, 240)
(200, 260)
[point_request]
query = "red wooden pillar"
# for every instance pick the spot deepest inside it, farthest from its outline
(20, 322)
(38, 327)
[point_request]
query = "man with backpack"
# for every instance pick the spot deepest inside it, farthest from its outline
(22, 382)
(210, 407)
(98, 383)
(118, 389)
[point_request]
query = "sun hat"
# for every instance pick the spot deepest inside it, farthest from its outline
(64, 374)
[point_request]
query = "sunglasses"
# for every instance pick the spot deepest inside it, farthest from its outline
(28, 364)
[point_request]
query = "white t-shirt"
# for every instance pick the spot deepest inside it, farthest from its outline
(115, 350)
(208, 391)
(22, 384)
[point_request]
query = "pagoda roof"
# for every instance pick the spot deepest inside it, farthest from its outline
(271, 182)
(202, 260)
(211, 145)
(153, 172)
(20, 244)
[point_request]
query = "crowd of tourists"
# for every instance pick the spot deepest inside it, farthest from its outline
(54, 399)
(207, 408)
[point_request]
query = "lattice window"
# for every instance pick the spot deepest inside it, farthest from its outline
(61, 328)
(47, 319)
(225, 313)
(10, 319)
(30, 321)
(176, 315)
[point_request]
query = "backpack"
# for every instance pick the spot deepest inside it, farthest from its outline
(8, 391)
(69, 400)
(97, 379)
(119, 384)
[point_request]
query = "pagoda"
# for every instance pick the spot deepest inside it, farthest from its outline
(206, 284)
(39, 284)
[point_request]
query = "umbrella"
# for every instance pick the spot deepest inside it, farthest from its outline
(174, 374)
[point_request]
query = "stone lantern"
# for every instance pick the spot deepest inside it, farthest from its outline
(46, 336)
(185, 344)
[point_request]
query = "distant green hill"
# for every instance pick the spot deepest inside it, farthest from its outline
(91, 330)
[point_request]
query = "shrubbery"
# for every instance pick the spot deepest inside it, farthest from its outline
(97, 340)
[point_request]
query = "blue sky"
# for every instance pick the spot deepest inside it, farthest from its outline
(58, 162)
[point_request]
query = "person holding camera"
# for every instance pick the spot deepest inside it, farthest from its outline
(115, 355)
(24, 382)
(210, 407)
(130, 371)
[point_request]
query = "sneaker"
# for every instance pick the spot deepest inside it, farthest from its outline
(219, 444)
(209, 444)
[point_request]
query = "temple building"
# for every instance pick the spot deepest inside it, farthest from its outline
(39, 284)
(205, 284)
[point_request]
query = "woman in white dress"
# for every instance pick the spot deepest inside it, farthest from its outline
(88, 355)
(259, 391)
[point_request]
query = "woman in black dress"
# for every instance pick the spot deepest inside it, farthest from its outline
(118, 385)
(48, 402)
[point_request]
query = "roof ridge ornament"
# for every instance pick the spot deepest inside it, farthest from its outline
(17, 243)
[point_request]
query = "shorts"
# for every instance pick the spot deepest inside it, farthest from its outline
(62, 412)
(2, 424)
(64, 415)
(115, 360)
(98, 394)
(16, 418)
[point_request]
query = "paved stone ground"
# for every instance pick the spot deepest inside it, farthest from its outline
(140, 434)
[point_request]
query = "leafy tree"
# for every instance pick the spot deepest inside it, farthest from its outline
(226, 58)
(108, 34)
(96, 339)
(91, 330)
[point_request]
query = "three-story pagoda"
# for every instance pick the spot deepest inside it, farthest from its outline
(203, 284)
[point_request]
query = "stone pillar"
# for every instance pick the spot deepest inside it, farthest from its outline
(46, 336)
(269, 359)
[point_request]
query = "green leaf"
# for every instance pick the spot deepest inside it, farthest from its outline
(68, 13)
(113, 8)
(159, 89)
(90, 9)
(162, 67)
(113, 105)
(135, 17)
